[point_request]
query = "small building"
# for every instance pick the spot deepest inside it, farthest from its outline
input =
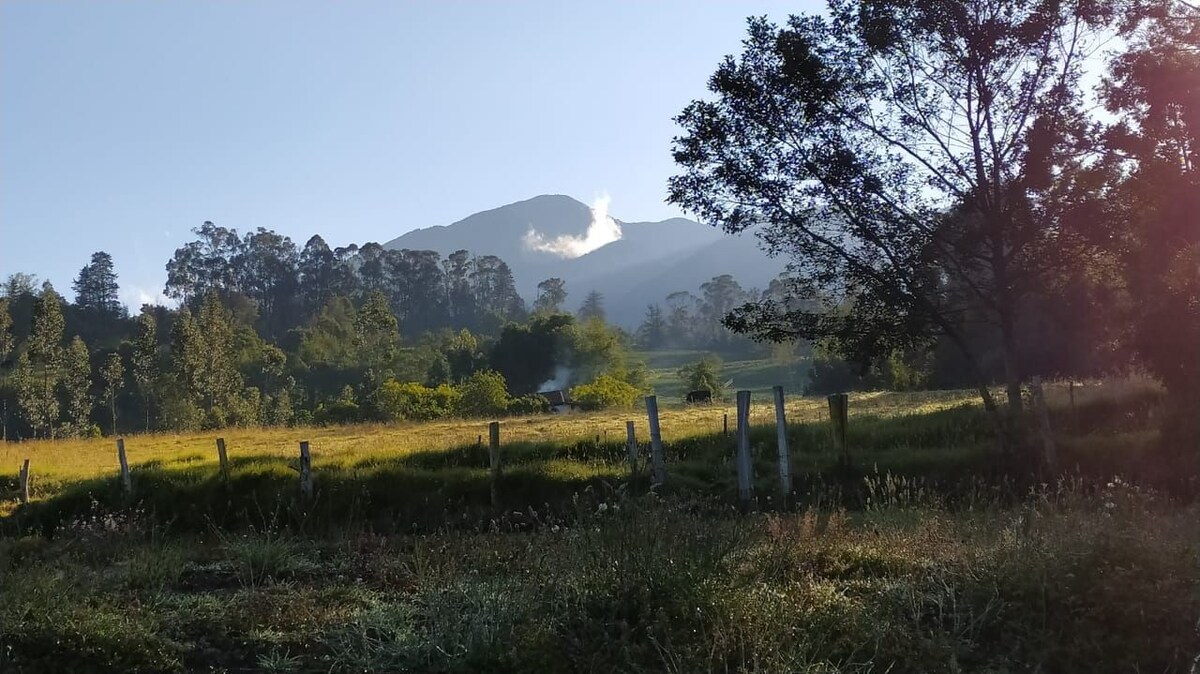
(560, 403)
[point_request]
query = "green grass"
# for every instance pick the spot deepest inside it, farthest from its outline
(924, 555)
(755, 375)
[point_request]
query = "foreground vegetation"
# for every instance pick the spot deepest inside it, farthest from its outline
(1070, 581)
(922, 556)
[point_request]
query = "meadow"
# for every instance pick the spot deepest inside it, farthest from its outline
(925, 553)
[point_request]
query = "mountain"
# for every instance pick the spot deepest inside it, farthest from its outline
(650, 261)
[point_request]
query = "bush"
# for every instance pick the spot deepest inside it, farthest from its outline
(414, 401)
(703, 375)
(343, 410)
(483, 394)
(529, 404)
(604, 392)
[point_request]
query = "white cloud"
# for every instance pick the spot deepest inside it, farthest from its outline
(602, 231)
(134, 297)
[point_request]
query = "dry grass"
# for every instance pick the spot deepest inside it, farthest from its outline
(75, 459)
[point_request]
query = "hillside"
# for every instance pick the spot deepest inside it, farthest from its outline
(649, 261)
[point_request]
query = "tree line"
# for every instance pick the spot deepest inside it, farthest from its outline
(263, 337)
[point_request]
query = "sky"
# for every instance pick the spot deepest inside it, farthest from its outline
(125, 124)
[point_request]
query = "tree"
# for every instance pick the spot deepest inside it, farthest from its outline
(266, 265)
(40, 369)
(145, 360)
(96, 288)
(376, 335)
(605, 392)
(202, 353)
(703, 375)
(1154, 91)
(592, 307)
(483, 394)
(720, 295)
(19, 284)
(528, 355)
(909, 156)
(652, 333)
(494, 289)
(77, 387)
(204, 266)
(551, 294)
(7, 344)
(113, 375)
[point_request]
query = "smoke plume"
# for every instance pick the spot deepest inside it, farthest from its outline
(602, 231)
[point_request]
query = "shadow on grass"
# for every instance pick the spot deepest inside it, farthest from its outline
(952, 452)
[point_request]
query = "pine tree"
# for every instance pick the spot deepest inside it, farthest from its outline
(593, 307)
(114, 380)
(96, 287)
(208, 353)
(77, 386)
(652, 333)
(145, 360)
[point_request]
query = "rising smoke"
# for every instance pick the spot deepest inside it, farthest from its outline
(602, 231)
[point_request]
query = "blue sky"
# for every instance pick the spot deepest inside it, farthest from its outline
(125, 124)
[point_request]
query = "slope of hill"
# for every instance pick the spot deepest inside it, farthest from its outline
(649, 261)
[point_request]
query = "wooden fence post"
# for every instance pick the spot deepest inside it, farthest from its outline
(725, 425)
(658, 463)
(631, 445)
(744, 466)
(25, 478)
(126, 480)
(839, 414)
(1049, 451)
(223, 458)
(494, 460)
(785, 460)
(306, 479)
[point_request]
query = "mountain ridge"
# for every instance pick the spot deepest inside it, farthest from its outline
(651, 260)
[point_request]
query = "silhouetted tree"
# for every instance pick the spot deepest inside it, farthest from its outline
(551, 294)
(849, 137)
(592, 307)
(96, 288)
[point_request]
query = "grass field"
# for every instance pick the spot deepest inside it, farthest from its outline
(923, 555)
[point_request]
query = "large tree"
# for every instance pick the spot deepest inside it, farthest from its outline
(96, 288)
(907, 158)
(77, 387)
(1153, 89)
(40, 368)
(144, 361)
(7, 345)
(551, 293)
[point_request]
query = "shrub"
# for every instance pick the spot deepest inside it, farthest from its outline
(414, 401)
(529, 404)
(484, 393)
(703, 375)
(604, 392)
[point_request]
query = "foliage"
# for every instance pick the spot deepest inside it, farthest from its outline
(76, 385)
(703, 375)
(530, 403)
(96, 288)
(592, 307)
(552, 293)
(914, 160)
(483, 394)
(411, 400)
(604, 392)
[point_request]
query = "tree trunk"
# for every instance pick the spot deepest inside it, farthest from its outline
(1012, 367)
